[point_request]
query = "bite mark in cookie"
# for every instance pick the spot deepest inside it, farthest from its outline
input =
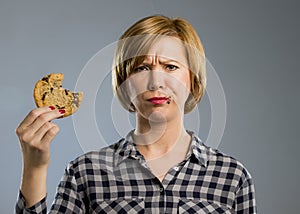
(48, 91)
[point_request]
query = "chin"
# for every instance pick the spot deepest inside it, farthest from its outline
(157, 117)
(159, 114)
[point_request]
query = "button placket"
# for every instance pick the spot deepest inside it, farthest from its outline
(161, 189)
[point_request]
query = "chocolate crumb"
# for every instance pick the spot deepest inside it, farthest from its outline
(44, 95)
(76, 99)
(46, 79)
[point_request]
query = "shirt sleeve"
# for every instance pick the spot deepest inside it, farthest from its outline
(68, 198)
(70, 194)
(39, 207)
(245, 198)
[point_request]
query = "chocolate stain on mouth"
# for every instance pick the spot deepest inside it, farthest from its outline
(169, 100)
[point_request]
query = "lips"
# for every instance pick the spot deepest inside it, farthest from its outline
(158, 100)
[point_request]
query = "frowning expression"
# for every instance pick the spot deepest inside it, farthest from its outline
(161, 83)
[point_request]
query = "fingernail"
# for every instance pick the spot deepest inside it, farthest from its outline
(52, 107)
(62, 111)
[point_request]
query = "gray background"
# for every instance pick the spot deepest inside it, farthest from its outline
(253, 46)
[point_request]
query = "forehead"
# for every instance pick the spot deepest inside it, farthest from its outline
(168, 48)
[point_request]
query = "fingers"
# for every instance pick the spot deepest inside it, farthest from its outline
(35, 133)
(46, 133)
(34, 114)
(35, 125)
(44, 118)
(50, 134)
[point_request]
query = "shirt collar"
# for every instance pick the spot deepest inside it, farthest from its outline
(200, 151)
(127, 149)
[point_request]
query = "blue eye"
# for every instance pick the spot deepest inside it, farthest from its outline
(172, 67)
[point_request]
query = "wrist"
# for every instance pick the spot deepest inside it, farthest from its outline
(35, 172)
(34, 184)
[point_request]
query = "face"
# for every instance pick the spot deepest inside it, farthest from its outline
(160, 85)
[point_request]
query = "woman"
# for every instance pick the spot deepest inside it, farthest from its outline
(158, 73)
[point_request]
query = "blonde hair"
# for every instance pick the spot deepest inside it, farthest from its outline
(132, 49)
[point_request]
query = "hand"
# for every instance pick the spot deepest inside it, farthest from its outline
(35, 133)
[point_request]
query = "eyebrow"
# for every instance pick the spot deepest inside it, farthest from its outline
(164, 61)
(169, 60)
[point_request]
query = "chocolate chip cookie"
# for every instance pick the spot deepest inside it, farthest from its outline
(48, 91)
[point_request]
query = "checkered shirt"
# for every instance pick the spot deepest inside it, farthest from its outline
(116, 179)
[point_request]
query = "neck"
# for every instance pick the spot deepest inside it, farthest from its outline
(163, 145)
(155, 139)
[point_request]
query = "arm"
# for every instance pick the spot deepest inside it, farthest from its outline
(245, 197)
(70, 198)
(35, 134)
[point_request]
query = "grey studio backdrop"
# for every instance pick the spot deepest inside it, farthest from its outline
(252, 45)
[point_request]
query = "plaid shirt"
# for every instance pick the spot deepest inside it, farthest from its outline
(116, 179)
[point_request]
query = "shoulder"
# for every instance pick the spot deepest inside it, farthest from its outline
(216, 158)
(220, 165)
(103, 157)
(228, 167)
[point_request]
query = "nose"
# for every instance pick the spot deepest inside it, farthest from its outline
(155, 80)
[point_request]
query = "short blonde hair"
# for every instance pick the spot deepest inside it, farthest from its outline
(132, 49)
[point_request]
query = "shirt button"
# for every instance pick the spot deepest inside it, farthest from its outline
(161, 189)
(176, 168)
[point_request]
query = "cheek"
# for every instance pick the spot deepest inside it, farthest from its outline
(187, 80)
(134, 85)
(181, 85)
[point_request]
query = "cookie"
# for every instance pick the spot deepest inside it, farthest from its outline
(48, 91)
